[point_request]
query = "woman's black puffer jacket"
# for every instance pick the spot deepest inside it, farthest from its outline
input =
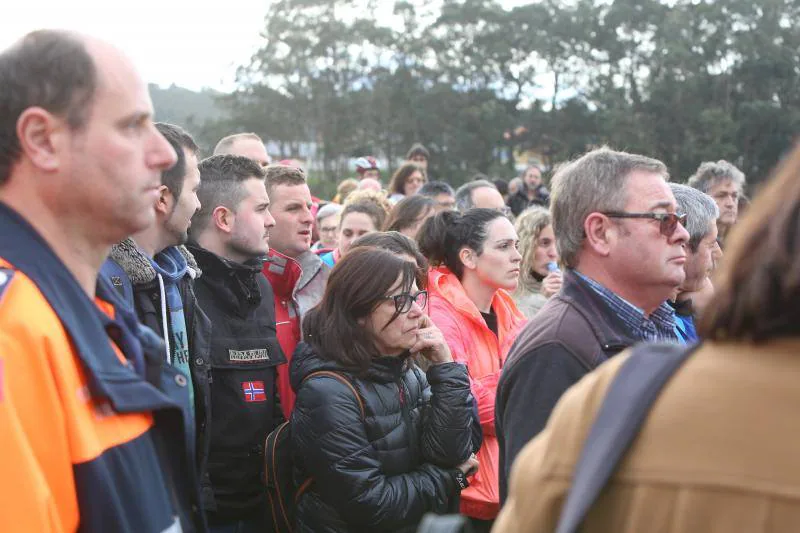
(385, 471)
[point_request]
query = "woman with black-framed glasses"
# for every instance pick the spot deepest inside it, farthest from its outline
(382, 441)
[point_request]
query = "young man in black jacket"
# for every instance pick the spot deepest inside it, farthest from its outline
(230, 236)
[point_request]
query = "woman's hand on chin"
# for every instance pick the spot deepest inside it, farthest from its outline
(430, 343)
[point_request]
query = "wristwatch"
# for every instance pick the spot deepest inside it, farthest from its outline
(461, 479)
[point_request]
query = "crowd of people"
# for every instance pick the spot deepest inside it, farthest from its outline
(165, 316)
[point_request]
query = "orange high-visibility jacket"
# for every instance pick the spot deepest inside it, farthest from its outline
(474, 344)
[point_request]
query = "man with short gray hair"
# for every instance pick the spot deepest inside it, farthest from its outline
(480, 193)
(702, 251)
(723, 182)
(621, 240)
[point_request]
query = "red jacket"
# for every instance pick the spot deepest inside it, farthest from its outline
(298, 286)
(474, 344)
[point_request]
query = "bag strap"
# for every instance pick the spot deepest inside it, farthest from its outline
(339, 377)
(632, 393)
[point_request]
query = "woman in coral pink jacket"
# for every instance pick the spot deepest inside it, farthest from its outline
(476, 265)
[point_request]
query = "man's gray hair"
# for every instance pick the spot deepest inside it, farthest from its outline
(710, 174)
(593, 183)
(464, 194)
(328, 210)
(701, 211)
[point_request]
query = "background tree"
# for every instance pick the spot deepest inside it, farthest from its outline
(681, 80)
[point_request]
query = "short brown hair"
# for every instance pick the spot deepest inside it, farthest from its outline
(367, 207)
(758, 285)
(357, 284)
(283, 175)
(221, 179)
(50, 69)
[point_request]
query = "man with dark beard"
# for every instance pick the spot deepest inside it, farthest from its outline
(155, 273)
(230, 240)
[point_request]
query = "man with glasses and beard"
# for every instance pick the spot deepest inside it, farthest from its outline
(622, 243)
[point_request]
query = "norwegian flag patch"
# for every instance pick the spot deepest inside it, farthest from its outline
(254, 391)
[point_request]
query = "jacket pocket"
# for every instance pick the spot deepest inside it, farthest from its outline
(243, 372)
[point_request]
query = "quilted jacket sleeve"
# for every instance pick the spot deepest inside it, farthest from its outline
(447, 419)
(330, 442)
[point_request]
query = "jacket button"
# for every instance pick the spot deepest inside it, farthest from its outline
(199, 361)
(180, 379)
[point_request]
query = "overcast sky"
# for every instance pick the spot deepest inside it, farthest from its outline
(171, 41)
(193, 44)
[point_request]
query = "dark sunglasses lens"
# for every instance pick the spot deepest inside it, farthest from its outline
(670, 223)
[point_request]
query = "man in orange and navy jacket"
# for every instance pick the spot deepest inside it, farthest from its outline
(97, 434)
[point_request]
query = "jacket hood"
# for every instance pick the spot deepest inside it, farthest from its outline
(442, 282)
(306, 361)
(138, 266)
(288, 276)
(282, 273)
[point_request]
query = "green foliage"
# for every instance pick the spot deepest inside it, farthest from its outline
(681, 80)
(199, 112)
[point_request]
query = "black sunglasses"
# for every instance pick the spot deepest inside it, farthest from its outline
(403, 302)
(668, 221)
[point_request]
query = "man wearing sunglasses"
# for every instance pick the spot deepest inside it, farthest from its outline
(622, 243)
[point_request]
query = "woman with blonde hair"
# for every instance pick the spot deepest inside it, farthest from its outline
(344, 189)
(539, 277)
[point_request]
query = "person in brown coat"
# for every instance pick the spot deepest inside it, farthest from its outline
(718, 450)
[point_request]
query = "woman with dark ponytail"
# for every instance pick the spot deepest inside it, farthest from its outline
(476, 264)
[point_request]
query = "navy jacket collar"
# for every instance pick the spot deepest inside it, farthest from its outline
(123, 385)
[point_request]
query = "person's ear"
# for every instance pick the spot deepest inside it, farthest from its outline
(601, 233)
(223, 218)
(43, 138)
(468, 257)
(166, 201)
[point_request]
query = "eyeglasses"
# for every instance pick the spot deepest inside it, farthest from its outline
(403, 302)
(505, 210)
(323, 229)
(668, 221)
